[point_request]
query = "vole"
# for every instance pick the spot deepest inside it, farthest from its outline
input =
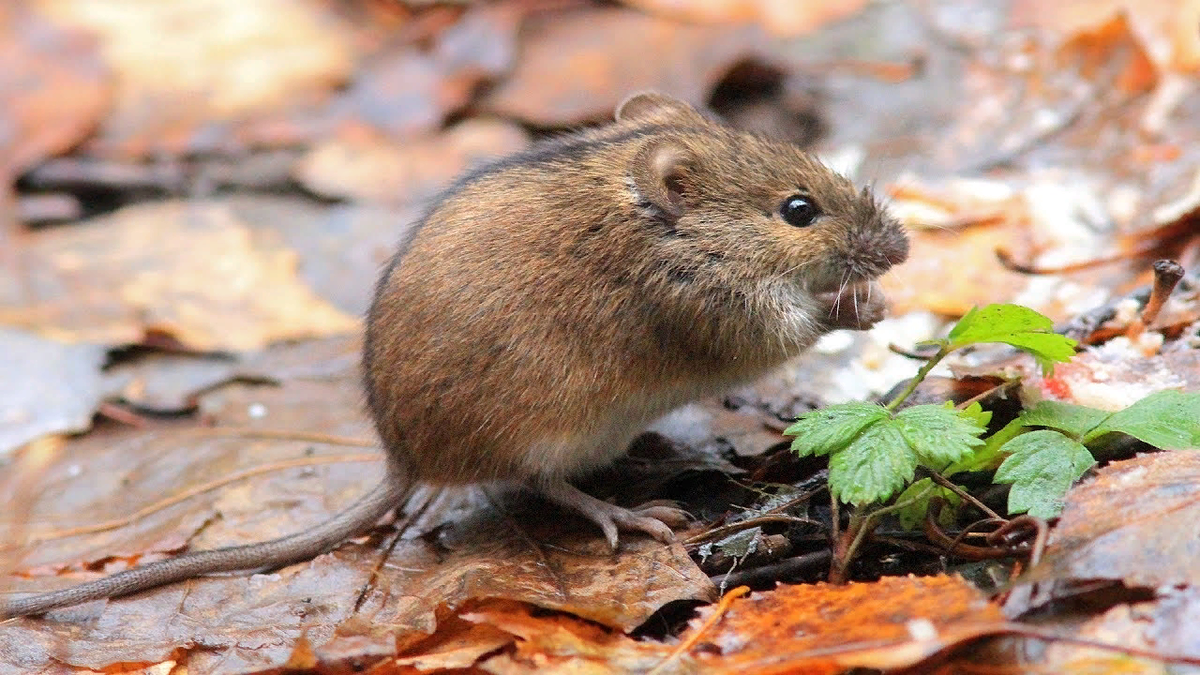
(552, 304)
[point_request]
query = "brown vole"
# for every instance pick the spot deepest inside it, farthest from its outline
(554, 303)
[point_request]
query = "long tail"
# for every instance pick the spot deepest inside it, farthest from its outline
(393, 491)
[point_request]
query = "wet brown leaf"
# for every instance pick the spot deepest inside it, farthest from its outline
(559, 642)
(571, 70)
(50, 387)
(1133, 522)
(782, 17)
(893, 623)
(181, 66)
(377, 170)
(53, 85)
(252, 622)
(458, 643)
(188, 270)
(1165, 625)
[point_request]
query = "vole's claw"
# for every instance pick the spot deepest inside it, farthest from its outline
(655, 519)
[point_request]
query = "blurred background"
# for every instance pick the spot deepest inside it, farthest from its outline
(196, 197)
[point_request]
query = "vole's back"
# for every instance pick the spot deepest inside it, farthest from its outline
(499, 329)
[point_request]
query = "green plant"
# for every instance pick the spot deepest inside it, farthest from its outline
(874, 450)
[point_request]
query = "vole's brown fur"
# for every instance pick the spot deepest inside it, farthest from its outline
(553, 304)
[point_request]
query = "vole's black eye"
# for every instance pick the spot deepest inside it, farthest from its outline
(799, 210)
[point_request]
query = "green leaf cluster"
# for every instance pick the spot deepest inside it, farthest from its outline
(1042, 464)
(875, 452)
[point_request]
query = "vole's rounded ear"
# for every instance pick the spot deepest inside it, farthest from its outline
(651, 105)
(660, 173)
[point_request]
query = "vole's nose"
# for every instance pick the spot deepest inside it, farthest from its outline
(896, 248)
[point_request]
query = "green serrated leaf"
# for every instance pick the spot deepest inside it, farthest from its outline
(832, 428)
(1047, 348)
(918, 495)
(988, 456)
(975, 412)
(1074, 420)
(873, 467)
(984, 324)
(967, 324)
(1014, 325)
(1167, 419)
(938, 433)
(1041, 466)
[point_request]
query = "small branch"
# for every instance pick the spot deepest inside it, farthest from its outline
(1167, 274)
(283, 435)
(783, 569)
(733, 528)
(942, 352)
(686, 645)
(962, 494)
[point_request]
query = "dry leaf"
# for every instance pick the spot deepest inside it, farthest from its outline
(189, 270)
(60, 387)
(182, 65)
(781, 17)
(53, 85)
(578, 65)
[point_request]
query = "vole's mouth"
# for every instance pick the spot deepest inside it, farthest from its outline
(843, 286)
(860, 290)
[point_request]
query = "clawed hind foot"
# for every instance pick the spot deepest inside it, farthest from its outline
(654, 518)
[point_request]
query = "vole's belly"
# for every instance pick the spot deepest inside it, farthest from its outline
(594, 443)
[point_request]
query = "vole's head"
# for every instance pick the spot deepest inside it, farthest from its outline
(744, 209)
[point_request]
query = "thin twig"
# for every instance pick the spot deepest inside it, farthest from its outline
(733, 528)
(283, 435)
(718, 612)
(963, 494)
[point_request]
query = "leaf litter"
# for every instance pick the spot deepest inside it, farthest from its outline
(1040, 157)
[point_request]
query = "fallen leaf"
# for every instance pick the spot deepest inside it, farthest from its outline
(559, 563)
(60, 387)
(340, 247)
(1134, 522)
(571, 70)
(181, 66)
(781, 17)
(895, 622)
(378, 170)
(1164, 626)
(458, 643)
(53, 86)
(1163, 24)
(189, 270)
(1117, 374)
(950, 271)
(558, 642)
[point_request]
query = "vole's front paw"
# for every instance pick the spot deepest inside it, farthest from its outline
(857, 306)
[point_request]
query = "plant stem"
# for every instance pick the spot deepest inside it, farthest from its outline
(862, 523)
(942, 352)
